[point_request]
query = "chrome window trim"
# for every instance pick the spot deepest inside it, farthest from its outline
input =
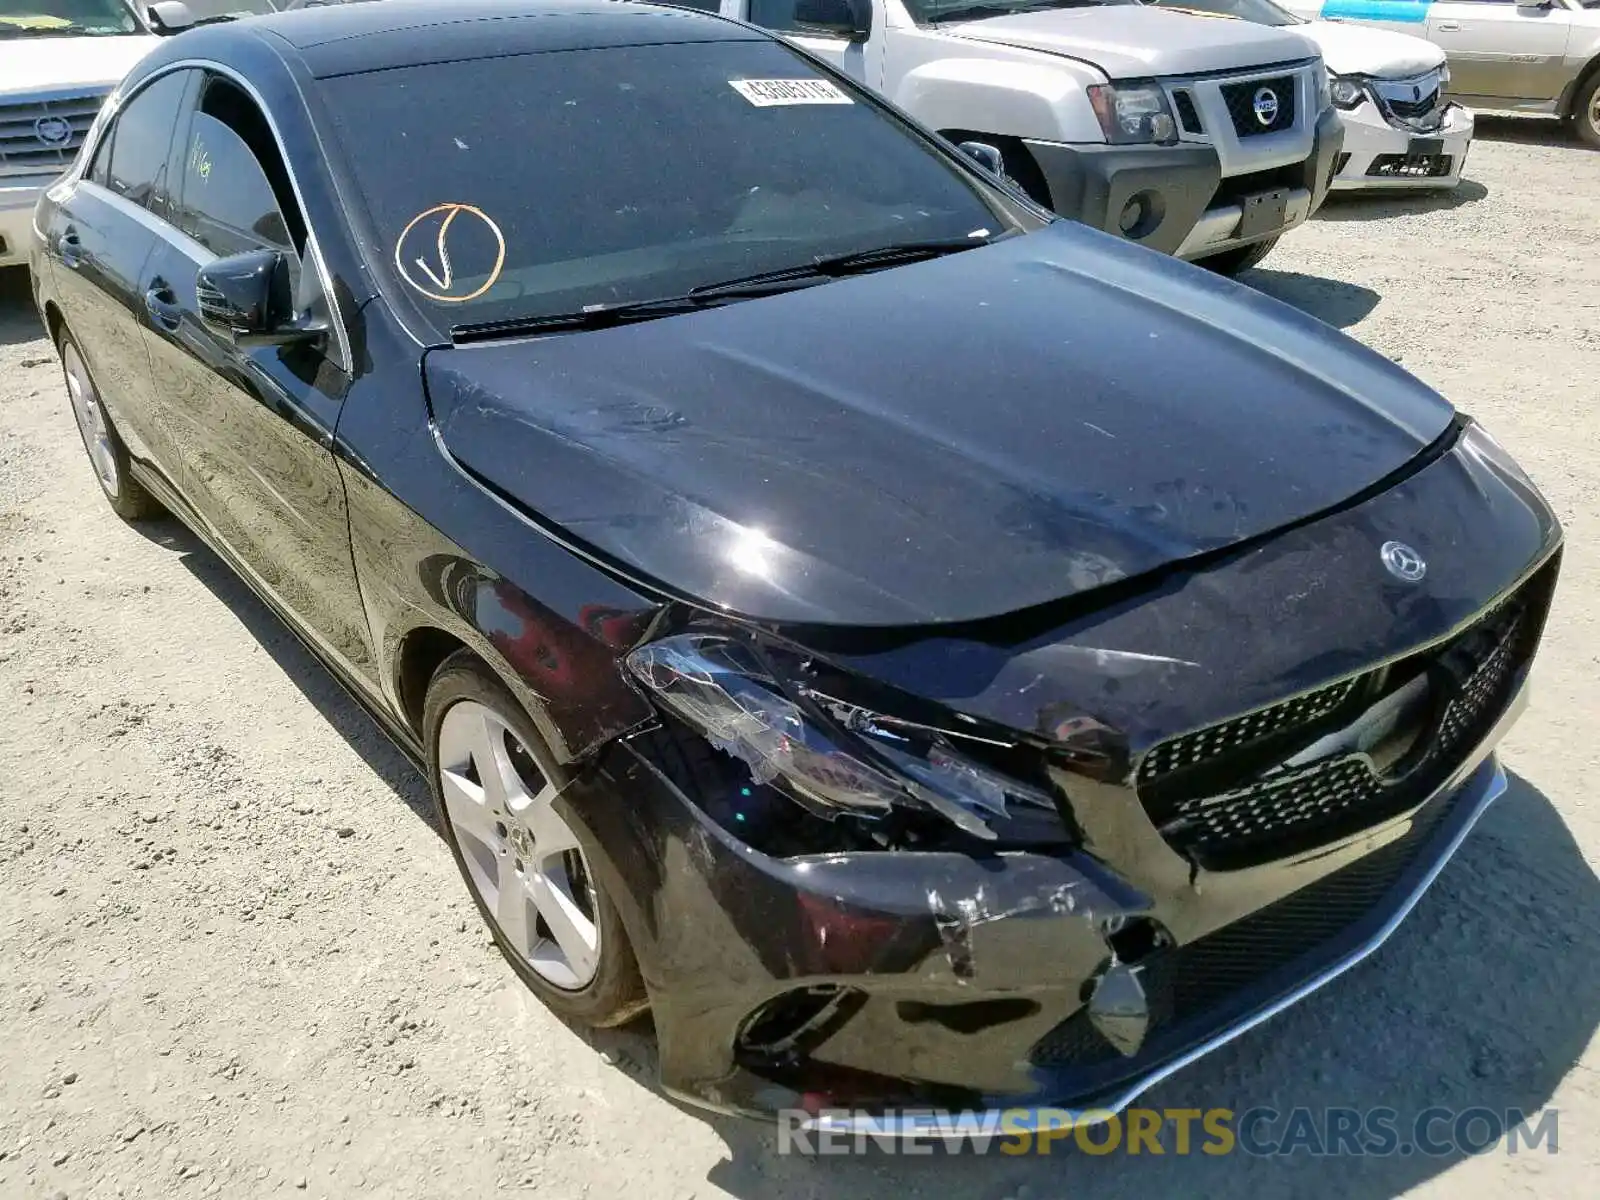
(313, 255)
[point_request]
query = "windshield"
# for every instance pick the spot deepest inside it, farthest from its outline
(533, 185)
(65, 18)
(932, 12)
(1262, 12)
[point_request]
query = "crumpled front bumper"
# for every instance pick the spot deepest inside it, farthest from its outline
(1378, 155)
(953, 983)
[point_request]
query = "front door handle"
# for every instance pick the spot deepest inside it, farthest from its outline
(1449, 26)
(162, 305)
(70, 248)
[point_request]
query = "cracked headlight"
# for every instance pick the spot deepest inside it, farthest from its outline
(1133, 112)
(833, 756)
(1347, 91)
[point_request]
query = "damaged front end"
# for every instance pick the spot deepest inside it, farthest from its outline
(1051, 859)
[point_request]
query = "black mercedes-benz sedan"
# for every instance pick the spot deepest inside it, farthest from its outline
(929, 654)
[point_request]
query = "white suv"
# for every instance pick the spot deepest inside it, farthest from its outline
(1202, 138)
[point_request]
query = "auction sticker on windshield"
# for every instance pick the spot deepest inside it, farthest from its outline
(765, 93)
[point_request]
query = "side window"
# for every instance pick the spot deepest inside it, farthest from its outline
(773, 14)
(236, 194)
(100, 166)
(140, 139)
(709, 6)
(792, 16)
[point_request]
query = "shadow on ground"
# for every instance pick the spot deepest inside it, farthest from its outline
(1485, 999)
(326, 693)
(1387, 206)
(1338, 303)
(1527, 131)
(19, 322)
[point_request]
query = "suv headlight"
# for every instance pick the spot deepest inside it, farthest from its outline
(1133, 112)
(832, 756)
(1347, 91)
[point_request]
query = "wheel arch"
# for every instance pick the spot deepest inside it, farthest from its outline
(54, 321)
(1568, 106)
(418, 657)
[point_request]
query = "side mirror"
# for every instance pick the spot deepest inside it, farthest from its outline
(170, 16)
(849, 19)
(986, 156)
(249, 299)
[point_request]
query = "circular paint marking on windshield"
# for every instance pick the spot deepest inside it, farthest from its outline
(430, 262)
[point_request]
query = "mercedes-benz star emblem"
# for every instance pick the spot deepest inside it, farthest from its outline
(1266, 105)
(1403, 562)
(52, 131)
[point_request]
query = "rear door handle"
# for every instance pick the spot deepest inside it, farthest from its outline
(70, 248)
(162, 305)
(1449, 26)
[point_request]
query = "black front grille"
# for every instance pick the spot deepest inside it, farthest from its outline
(1413, 110)
(1295, 935)
(1224, 798)
(1249, 102)
(1410, 166)
(1188, 115)
(1202, 746)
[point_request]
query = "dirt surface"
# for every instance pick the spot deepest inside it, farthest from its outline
(235, 957)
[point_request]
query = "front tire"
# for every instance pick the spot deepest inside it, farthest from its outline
(524, 855)
(107, 455)
(1240, 258)
(1586, 112)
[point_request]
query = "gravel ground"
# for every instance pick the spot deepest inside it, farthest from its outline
(236, 959)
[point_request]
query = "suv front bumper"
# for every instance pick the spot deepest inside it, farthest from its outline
(1378, 155)
(1180, 201)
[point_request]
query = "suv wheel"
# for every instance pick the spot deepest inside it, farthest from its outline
(1586, 112)
(107, 455)
(525, 856)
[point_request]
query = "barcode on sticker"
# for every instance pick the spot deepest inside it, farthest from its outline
(764, 93)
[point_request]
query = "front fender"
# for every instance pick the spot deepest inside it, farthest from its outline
(1014, 99)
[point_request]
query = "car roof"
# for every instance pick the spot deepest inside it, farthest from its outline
(343, 39)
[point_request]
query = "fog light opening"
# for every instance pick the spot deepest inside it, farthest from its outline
(789, 1026)
(1141, 215)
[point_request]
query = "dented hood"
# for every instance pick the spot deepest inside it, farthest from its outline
(939, 442)
(1131, 41)
(1380, 53)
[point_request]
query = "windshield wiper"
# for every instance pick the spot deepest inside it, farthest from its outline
(23, 31)
(593, 316)
(706, 295)
(831, 266)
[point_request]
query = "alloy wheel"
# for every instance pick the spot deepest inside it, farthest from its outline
(91, 420)
(522, 858)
